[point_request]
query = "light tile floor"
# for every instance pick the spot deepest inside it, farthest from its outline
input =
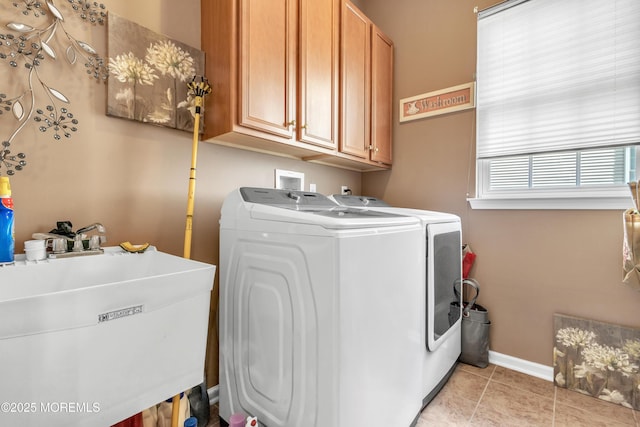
(496, 396)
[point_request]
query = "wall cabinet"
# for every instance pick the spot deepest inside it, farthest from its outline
(318, 72)
(274, 70)
(288, 69)
(267, 66)
(381, 97)
(355, 82)
(366, 78)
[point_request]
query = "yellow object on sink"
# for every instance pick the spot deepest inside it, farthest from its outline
(129, 247)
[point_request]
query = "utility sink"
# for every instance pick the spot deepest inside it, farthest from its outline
(90, 341)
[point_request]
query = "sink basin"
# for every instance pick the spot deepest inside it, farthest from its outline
(89, 341)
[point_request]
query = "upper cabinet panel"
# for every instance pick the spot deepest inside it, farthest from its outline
(355, 78)
(268, 38)
(318, 72)
(381, 96)
(366, 97)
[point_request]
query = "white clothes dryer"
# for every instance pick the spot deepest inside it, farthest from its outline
(441, 268)
(318, 325)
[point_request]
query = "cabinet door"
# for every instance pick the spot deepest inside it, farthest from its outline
(318, 72)
(381, 96)
(267, 62)
(355, 81)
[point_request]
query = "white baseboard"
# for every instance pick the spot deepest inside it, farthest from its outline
(214, 394)
(520, 365)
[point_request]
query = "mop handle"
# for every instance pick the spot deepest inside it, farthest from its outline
(199, 90)
(192, 189)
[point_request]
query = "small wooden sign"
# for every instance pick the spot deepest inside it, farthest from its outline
(456, 98)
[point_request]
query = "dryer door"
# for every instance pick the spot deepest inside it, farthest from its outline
(444, 269)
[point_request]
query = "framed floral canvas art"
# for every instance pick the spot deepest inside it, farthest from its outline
(597, 359)
(149, 74)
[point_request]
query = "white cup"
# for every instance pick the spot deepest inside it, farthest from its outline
(35, 250)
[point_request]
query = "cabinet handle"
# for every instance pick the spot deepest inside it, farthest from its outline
(376, 150)
(293, 123)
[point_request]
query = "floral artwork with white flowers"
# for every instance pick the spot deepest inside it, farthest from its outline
(597, 359)
(149, 74)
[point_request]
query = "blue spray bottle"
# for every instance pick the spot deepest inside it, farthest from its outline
(7, 236)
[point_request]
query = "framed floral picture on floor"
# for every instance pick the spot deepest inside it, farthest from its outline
(597, 359)
(149, 73)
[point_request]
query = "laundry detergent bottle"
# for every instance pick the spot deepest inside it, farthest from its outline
(7, 234)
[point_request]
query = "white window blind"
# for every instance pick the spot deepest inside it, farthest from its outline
(603, 166)
(558, 96)
(558, 75)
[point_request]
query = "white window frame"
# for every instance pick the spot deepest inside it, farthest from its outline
(589, 197)
(600, 197)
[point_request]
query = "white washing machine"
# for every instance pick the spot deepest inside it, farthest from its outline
(318, 321)
(441, 268)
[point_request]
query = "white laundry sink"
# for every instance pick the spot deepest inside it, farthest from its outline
(89, 341)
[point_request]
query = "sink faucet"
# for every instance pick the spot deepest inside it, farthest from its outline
(65, 242)
(96, 226)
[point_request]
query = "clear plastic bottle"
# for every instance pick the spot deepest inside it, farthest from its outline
(7, 232)
(150, 417)
(166, 407)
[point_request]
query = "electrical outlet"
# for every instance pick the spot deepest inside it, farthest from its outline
(312, 188)
(344, 190)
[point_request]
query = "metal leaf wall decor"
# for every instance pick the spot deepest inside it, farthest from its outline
(25, 48)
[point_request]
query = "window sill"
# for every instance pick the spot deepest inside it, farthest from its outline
(573, 203)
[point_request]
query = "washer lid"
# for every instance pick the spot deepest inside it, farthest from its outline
(358, 201)
(314, 208)
(382, 206)
(292, 199)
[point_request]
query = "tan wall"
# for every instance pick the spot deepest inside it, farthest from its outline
(530, 264)
(133, 177)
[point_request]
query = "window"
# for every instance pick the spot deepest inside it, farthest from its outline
(558, 102)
